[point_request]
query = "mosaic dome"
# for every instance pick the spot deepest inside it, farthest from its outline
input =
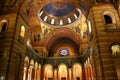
(59, 14)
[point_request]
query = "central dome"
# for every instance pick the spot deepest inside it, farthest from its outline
(59, 14)
(59, 9)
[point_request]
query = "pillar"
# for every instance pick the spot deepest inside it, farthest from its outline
(70, 74)
(55, 74)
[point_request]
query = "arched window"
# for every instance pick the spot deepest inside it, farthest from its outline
(28, 43)
(115, 50)
(22, 31)
(108, 19)
(3, 25)
(89, 26)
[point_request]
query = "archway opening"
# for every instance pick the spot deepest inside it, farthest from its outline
(62, 72)
(77, 72)
(48, 72)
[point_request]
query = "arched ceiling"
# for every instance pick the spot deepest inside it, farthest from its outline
(60, 34)
(63, 43)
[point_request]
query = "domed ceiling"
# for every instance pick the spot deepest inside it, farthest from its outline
(45, 17)
(59, 14)
(59, 9)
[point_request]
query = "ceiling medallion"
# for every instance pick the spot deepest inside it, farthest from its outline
(59, 5)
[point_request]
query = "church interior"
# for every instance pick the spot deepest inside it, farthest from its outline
(60, 40)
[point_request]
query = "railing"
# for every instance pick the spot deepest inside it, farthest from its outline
(68, 61)
(55, 61)
(33, 55)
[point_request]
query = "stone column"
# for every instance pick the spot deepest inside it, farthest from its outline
(38, 74)
(55, 74)
(35, 78)
(70, 74)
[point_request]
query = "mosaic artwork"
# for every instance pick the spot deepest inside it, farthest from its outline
(59, 9)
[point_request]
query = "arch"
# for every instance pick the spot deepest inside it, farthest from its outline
(3, 25)
(36, 65)
(109, 19)
(31, 71)
(59, 33)
(22, 31)
(26, 60)
(111, 15)
(26, 66)
(62, 72)
(63, 44)
(48, 72)
(77, 71)
(32, 63)
(115, 50)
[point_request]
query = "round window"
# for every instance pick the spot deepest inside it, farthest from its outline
(64, 52)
